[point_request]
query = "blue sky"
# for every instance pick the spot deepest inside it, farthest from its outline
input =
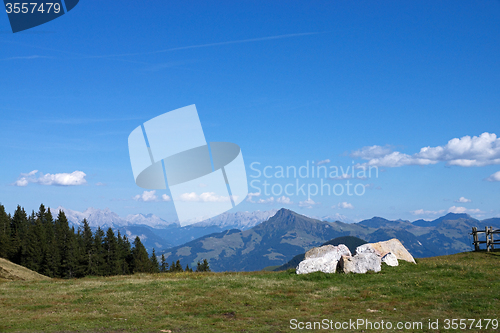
(291, 82)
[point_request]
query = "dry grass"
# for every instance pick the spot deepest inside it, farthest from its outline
(11, 271)
(466, 285)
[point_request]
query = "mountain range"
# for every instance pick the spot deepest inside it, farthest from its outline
(158, 233)
(254, 240)
(287, 234)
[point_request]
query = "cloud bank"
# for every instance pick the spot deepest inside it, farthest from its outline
(150, 196)
(59, 179)
(494, 177)
(466, 152)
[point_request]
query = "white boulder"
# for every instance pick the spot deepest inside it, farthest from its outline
(361, 263)
(322, 259)
(382, 248)
(390, 259)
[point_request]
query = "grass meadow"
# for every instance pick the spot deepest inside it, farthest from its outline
(461, 286)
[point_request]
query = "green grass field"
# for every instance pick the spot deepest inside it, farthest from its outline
(461, 286)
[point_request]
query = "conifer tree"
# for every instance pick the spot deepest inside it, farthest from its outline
(155, 266)
(74, 250)
(86, 240)
(141, 262)
(122, 254)
(35, 256)
(203, 266)
(18, 230)
(164, 264)
(66, 246)
(111, 254)
(126, 258)
(98, 260)
(5, 233)
(50, 250)
(172, 267)
(178, 267)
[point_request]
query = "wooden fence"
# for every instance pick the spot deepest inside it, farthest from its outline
(490, 243)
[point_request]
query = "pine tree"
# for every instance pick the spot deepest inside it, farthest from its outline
(128, 265)
(66, 246)
(155, 267)
(5, 233)
(111, 254)
(35, 255)
(19, 231)
(164, 264)
(172, 267)
(50, 249)
(187, 269)
(74, 250)
(178, 267)
(203, 266)
(124, 254)
(98, 258)
(141, 262)
(86, 246)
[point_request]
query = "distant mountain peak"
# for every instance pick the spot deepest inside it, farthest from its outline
(447, 217)
(456, 216)
(238, 220)
(284, 212)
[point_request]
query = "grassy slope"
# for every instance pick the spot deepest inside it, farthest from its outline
(11, 271)
(465, 285)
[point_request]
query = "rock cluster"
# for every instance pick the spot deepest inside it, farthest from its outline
(393, 246)
(322, 259)
(368, 257)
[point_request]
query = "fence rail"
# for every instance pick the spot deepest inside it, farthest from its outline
(489, 232)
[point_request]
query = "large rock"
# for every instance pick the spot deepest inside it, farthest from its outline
(390, 259)
(322, 259)
(382, 248)
(361, 263)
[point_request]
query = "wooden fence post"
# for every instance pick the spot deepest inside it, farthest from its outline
(491, 238)
(487, 232)
(476, 240)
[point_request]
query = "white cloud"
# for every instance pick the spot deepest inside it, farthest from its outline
(100, 184)
(466, 151)
(463, 200)
(343, 176)
(22, 181)
(251, 195)
(397, 159)
(266, 201)
(284, 200)
(323, 162)
(309, 203)
(427, 212)
(460, 210)
(63, 179)
(494, 177)
(370, 152)
(146, 196)
(150, 196)
(204, 197)
(457, 210)
(345, 205)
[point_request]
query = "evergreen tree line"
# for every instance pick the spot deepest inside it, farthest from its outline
(51, 247)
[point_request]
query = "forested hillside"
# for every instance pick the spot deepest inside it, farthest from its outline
(50, 247)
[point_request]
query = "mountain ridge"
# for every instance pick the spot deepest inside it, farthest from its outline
(287, 234)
